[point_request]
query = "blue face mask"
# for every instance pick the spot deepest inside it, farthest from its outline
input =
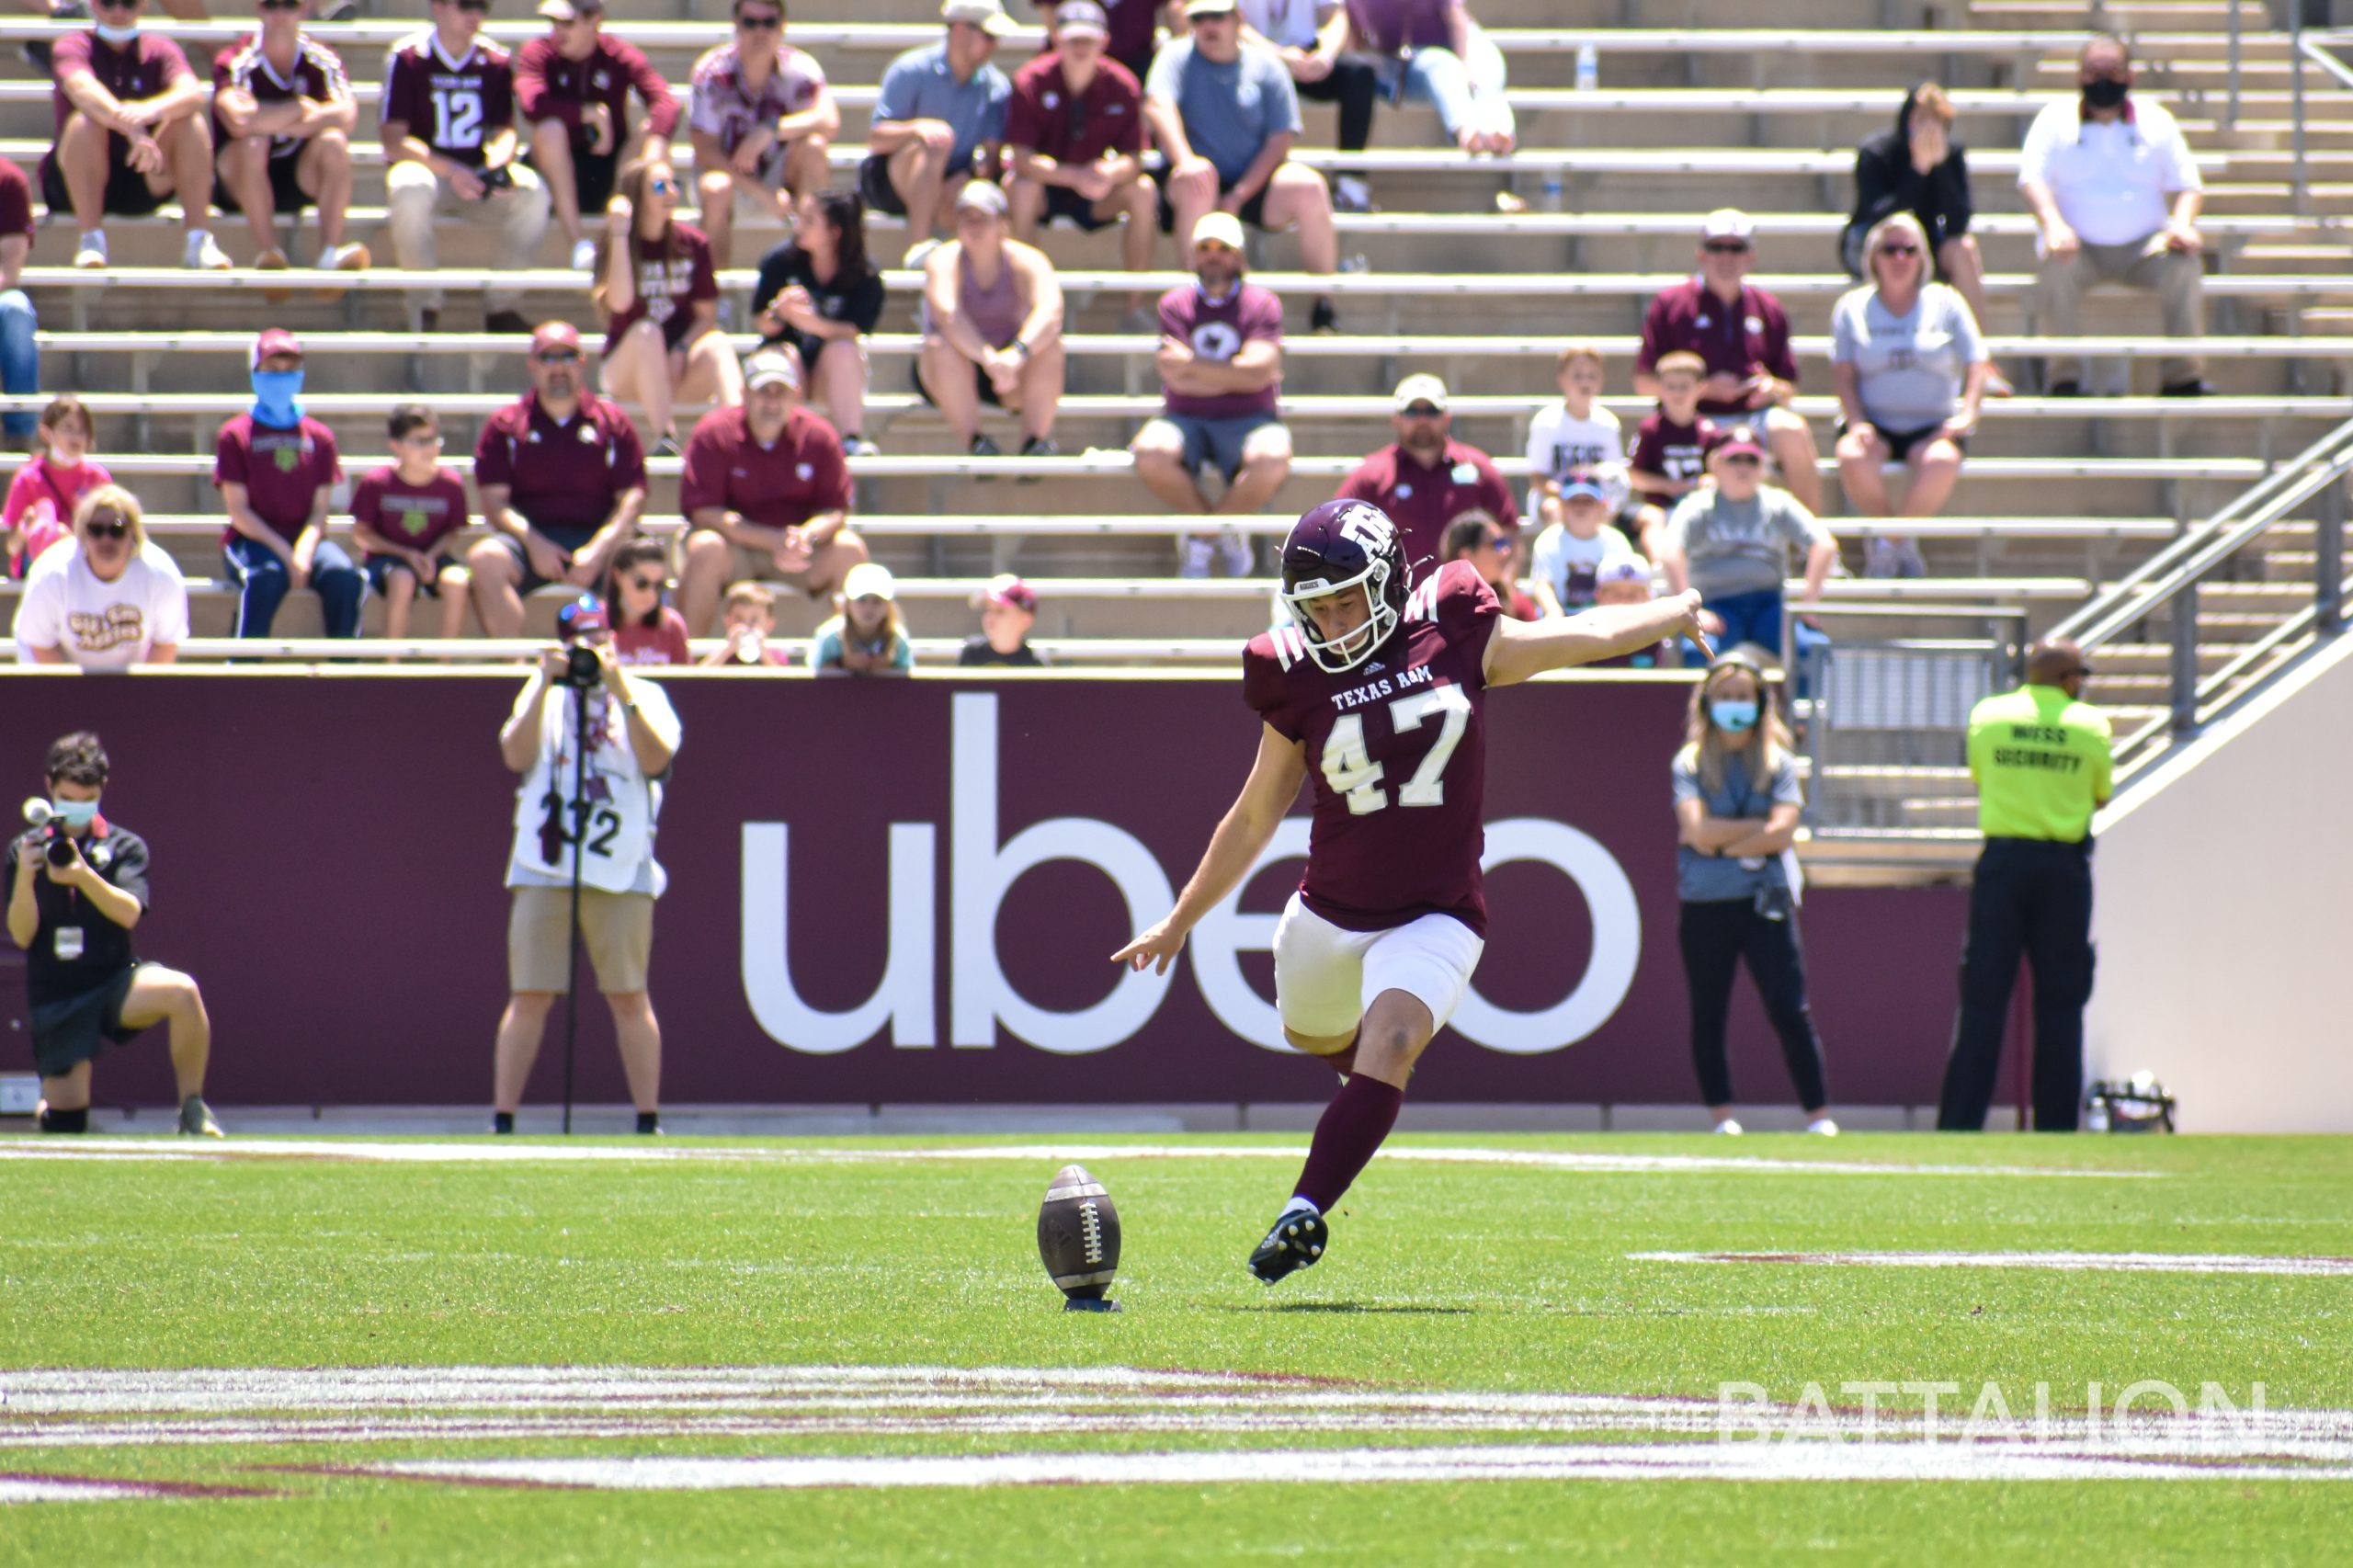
(75, 814)
(275, 395)
(1732, 715)
(117, 35)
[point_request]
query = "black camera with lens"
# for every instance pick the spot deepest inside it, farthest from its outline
(57, 844)
(581, 670)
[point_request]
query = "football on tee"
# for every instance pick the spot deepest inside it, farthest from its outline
(1078, 1239)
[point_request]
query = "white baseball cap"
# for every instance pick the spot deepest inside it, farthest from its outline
(1223, 227)
(986, 15)
(1727, 224)
(771, 365)
(1421, 389)
(868, 579)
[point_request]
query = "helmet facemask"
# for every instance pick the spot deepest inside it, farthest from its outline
(1354, 647)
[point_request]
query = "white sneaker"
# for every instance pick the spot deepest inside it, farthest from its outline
(92, 251)
(203, 253)
(1729, 1128)
(1235, 554)
(1352, 194)
(917, 252)
(1193, 556)
(1822, 1126)
(584, 255)
(349, 256)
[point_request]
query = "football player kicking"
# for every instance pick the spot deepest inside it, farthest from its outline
(1379, 693)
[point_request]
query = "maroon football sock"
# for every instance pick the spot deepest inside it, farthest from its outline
(1347, 1137)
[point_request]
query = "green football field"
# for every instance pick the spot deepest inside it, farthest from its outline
(1524, 1349)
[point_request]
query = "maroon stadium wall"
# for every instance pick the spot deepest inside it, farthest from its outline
(907, 892)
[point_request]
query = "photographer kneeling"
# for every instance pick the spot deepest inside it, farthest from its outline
(77, 885)
(602, 823)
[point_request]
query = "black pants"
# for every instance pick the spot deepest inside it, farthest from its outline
(2031, 897)
(1354, 85)
(1716, 937)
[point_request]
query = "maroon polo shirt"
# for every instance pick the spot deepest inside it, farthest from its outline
(16, 201)
(151, 63)
(1737, 340)
(561, 476)
(281, 468)
(803, 475)
(416, 516)
(451, 105)
(549, 86)
(1422, 501)
(1044, 118)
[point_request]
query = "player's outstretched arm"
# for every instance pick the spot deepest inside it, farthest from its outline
(1234, 849)
(1523, 648)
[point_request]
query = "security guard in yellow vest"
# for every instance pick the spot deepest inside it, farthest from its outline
(2041, 757)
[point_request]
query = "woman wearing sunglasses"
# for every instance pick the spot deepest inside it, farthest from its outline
(1911, 370)
(646, 630)
(659, 296)
(109, 599)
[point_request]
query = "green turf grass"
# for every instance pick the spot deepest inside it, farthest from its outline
(1460, 1277)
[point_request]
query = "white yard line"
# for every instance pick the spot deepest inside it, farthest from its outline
(1713, 1462)
(488, 1153)
(2122, 1262)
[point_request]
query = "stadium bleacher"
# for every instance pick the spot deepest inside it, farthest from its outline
(2057, 497)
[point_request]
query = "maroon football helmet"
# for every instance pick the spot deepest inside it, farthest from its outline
(1340, 546)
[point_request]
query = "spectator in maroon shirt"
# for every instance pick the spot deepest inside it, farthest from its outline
(276, 468)
(1426, 478)
(1075, 131)
(130, 132)
(282, 117)
(572, 88)
(1668, 458)
(560, 476)
(19, 358)
(1742, 334)
(645, 630)
(404, 516)
(1135, 29)
(765, 491)
(1220, 366)
(659, 295)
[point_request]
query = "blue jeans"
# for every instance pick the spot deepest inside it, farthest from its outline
(1757, 617)
(262, 584)
(1463, 92)
(19, 360)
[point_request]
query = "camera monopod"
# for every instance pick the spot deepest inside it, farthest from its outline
(578, 827)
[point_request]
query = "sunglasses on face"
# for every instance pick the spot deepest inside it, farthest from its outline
(1500, 545)
(559, 357)
(1727, 247)
(281, 4)
(1743, 459)
(758, 24)
(479, 7)
(663, 187)
(645, 585)
(117, 5)
(1422, 411)
(106, 525)
(1899, 250)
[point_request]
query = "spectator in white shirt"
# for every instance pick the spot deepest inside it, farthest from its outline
(1574, 434)
(108, 600)
(2116, 194)
(1575, 546)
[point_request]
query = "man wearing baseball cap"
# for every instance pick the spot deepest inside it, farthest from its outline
(560, 476)
(765, 491)
(1732, 541)
(1220, 366)
(937, 120)
(1425, 478)
(1074, 130)
(1008, 609)
(572, 89)
(1742, 334)
(276, 468)
(1226, 117)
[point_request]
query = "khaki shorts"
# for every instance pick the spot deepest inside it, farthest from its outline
(618, 928)
(759, 566)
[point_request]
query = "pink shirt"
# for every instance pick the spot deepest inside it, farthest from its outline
(41, 499)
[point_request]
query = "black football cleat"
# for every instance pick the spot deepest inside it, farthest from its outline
(1298, 1239)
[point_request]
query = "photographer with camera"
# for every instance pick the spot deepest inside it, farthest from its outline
(77, 885)
(584, 853)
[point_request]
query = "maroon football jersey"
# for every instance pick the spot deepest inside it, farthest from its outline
(451, 105)
(1397, 753)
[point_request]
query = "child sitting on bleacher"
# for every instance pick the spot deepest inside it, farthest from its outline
(40, 509)
(1575, 434)
(1571, 553)
(1669, 459)
(864, 638)
(751, 629)
(404, 515)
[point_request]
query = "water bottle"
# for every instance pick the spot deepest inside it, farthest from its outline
(1588, 67)
(1553, 189)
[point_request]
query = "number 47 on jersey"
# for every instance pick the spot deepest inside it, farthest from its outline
(1348, 766)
